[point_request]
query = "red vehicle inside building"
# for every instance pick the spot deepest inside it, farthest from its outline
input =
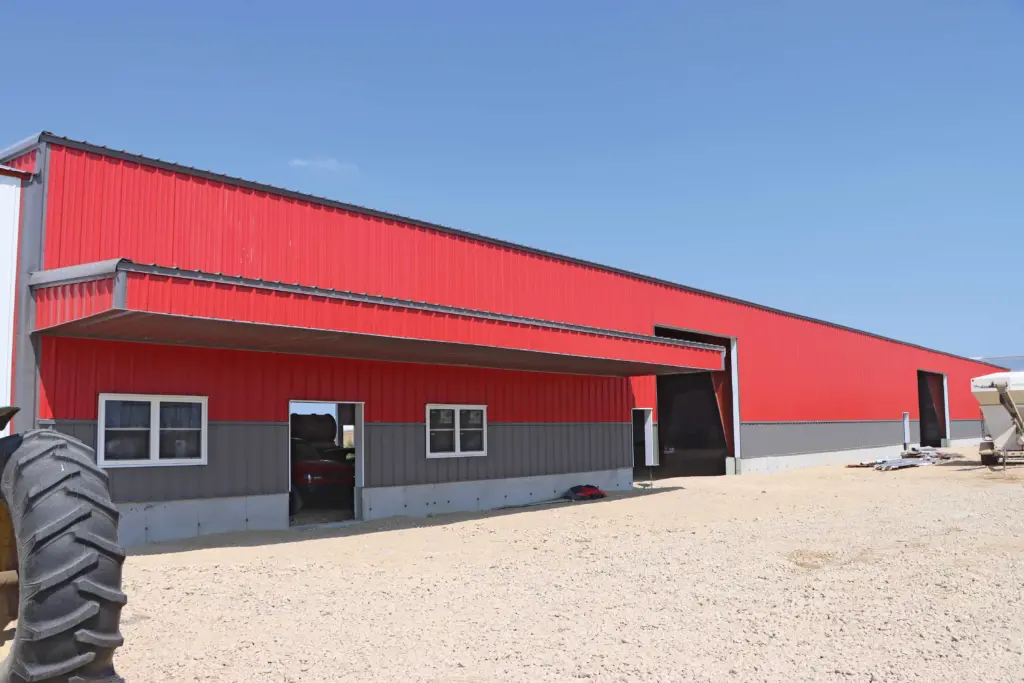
(323, 470)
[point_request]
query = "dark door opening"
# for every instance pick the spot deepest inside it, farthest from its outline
(323, 453)
(691, 438)
(695, 415)
(931, 404)
(639, 451)
(644, 454)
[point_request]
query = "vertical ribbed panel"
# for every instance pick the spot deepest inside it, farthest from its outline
(26, 162)
(790, 369)
(203, 299)
(246, 459)
(396, 453)
(64, 303)
(251, 386)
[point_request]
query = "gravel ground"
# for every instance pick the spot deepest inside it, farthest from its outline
(828, 574)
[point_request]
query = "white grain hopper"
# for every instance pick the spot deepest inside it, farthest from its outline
(1001, 396)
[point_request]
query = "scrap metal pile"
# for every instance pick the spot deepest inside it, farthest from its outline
(913, 457)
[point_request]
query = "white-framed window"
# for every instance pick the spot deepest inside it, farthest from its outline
(456, 431)
(151, 431)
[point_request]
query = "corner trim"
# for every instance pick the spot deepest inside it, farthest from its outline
(120, 291)
(31, 244)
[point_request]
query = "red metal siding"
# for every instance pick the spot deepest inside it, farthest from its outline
(250, 386)
(64, 303)
(101, 208)
(26, 162)
(790, 369)
(159, 294)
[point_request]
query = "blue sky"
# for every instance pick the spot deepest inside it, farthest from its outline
(861, 162)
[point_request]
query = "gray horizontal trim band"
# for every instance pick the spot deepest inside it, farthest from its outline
(240, 423)
(15, 172)
(81, 273)
(47, 137)
(841, 422)
(782, 439)
(781, 423)
(107, 268)
(245, 459)
(493, 423)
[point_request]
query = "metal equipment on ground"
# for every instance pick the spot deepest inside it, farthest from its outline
(1001, 396)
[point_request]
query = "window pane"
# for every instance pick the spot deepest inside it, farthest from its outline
(442, 441)
(471, 419)
(120, 444)
(471, 440)
(442, 418)
(181, 415)
(176, 444)
(127, 414)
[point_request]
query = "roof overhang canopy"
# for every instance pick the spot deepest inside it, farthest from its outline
(121, 300)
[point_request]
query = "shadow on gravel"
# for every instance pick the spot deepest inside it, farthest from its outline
(248, 539)
(970, 465)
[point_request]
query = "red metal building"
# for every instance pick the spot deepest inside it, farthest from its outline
(170, 316)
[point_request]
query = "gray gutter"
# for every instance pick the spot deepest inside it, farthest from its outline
(15, 172)
(106, 269)
(282, 192)
(66, 276)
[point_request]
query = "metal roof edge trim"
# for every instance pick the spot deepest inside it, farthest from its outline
(100, 318)
(49, 137)
(124, 265)
(20, 147)
(10, 171)
(96, 270)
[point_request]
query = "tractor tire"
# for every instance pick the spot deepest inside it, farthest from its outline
(69, 563)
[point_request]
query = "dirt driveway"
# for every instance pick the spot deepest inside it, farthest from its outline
(817, 575)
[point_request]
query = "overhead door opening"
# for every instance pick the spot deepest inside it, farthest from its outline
(695, 421)
(691, 437)
(931, 403)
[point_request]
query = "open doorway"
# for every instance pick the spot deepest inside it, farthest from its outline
(931, 404)
(325, 450)
(698, 415)
(645, 454)
(691, 434)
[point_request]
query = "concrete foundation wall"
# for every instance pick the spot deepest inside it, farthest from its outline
(156, 522)
(781, 463)
(471, 496)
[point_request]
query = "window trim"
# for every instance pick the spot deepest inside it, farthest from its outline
(457, 453)
(154, 431)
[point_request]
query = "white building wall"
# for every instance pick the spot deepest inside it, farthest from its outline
(10, 210)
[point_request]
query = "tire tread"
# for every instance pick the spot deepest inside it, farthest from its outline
(70, 563)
